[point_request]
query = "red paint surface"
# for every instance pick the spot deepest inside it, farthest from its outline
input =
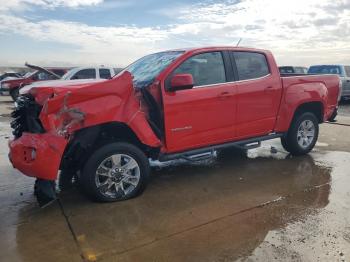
(49, 149)
(181, 80)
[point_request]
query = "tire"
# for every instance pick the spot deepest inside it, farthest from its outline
(115, 172)
(14, 93)
(297, 141)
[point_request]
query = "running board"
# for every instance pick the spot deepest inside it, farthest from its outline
(242, 144)
(250, 146)
(200, 157)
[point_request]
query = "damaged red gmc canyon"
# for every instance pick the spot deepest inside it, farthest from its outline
(167, 105)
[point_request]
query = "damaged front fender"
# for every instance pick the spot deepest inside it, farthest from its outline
(68, 109)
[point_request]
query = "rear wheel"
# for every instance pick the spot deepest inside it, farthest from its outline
(302, 135)
(114, 172)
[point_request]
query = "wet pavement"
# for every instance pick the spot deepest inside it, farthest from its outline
(264, 206)
(345, 108)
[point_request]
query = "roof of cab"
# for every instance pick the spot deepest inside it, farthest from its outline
(208, 48)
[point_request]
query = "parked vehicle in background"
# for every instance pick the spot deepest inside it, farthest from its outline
(293, 70)
(7, 76)
(100, 72)
(117, 70)
(343, 71)
(12, 86)
(78, 75)
(167, 105)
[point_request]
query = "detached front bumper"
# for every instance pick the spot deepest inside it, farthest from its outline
(37, 155)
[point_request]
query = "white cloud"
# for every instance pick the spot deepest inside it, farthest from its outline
(24, 4)
(313, 28)
(114, 45)
(298, 32)
(72, 3)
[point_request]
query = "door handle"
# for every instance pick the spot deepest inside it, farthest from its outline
(269, 89)
(224, 95)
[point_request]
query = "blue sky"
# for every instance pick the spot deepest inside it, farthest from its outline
(113, 12)
(115, 32)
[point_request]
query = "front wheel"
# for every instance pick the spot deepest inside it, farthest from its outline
(302, 135)
(115, 172)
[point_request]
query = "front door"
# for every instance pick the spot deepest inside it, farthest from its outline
(205, 114)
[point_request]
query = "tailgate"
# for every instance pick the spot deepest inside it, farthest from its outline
(346, 86)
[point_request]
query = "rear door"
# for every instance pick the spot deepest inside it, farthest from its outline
(258, 94)
(205, 114)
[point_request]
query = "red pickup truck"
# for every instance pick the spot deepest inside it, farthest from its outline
(167, 105)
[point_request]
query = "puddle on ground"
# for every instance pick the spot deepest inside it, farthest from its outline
(260, 206)
(264, 205)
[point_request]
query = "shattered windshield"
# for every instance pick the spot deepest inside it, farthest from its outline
(146, 69)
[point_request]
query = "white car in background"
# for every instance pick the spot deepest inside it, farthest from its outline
(89, 73)
(75, 76)
(7, 76)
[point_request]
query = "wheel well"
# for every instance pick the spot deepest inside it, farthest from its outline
(312, 107)
(85, 141)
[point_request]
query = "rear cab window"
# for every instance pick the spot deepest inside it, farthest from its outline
(206, 69)
(105, 73)
(89, 73)
(326, 69)
(251, 65)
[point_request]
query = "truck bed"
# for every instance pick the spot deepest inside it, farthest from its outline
(330, 82)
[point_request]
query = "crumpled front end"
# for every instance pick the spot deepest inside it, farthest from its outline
(33, 151)
(46, 119)
(37, 155)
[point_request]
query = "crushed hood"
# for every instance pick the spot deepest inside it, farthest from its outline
(81, 91)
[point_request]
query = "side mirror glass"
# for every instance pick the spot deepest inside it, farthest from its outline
(181, 81)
